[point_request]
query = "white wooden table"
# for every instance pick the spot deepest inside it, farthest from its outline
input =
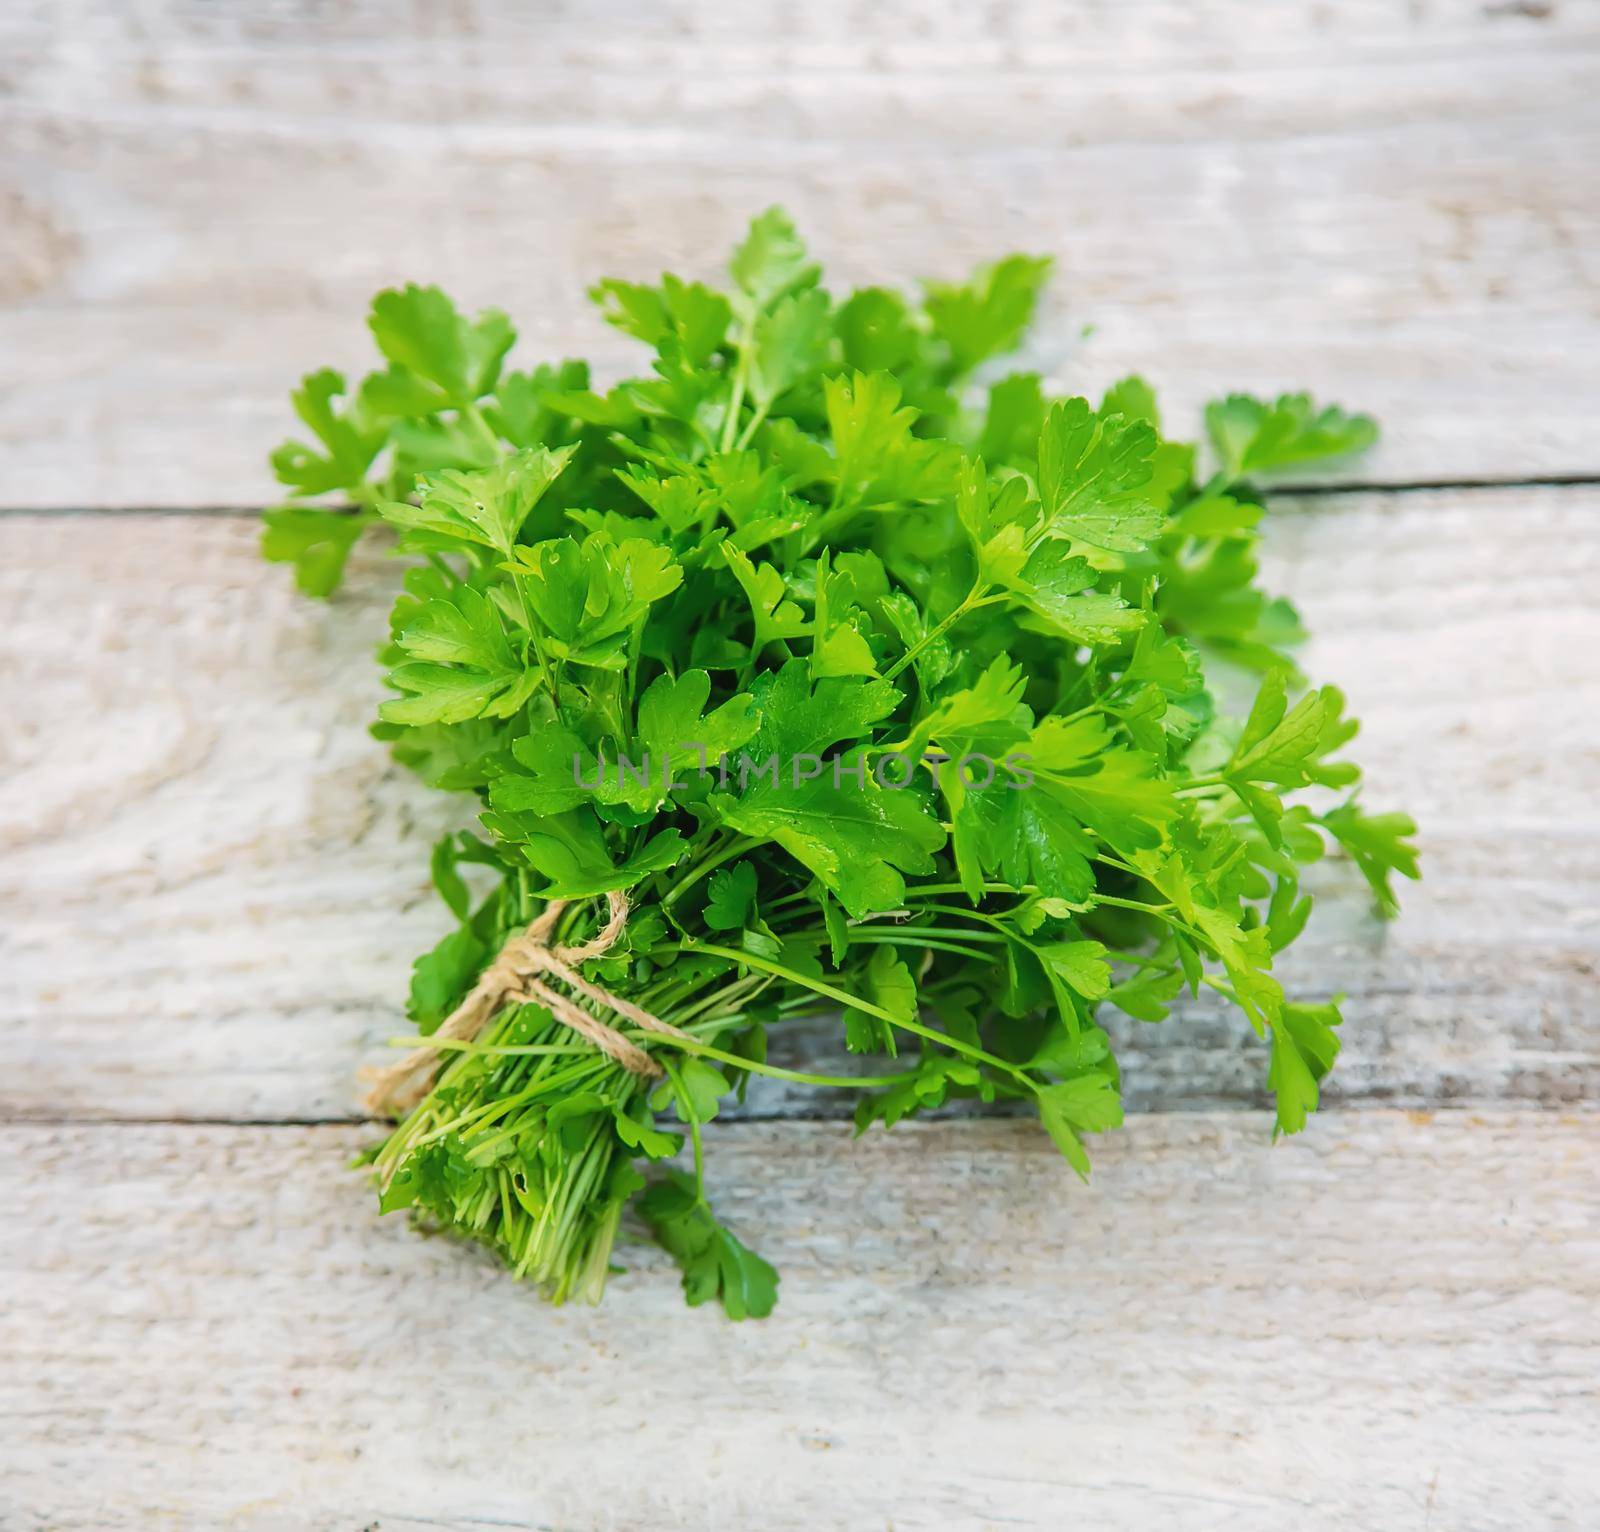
(213, 881)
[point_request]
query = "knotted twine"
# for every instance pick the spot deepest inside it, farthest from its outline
(516, 977)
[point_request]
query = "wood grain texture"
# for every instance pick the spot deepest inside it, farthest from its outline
(1391, 205)
(216, 881)
(1390, 1323)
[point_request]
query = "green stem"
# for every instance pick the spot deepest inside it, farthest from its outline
(1120, 865)
(473, 416)
(973, 599)
(776, 1072)
(1134, 904)
(737, 847)
(922, 944)
(538, 648)
(741, 373)
(687, 1112)
(961, 888)
(857, 1003)
(752, 425)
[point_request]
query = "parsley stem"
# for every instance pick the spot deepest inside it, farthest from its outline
(538, 648)
(907, 933)
(1120, 865)
(1086, 677)
(692, 1046)
(1141, 961)
(686, 1110)
(752, 425)
(910, 938)
(973, 599)
(1227, 991)
(1133, 904)
(741, 373)
(737, 847)
(961, 888)
(776, 1072)
(857, 1003)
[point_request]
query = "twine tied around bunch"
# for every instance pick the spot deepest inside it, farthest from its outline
(518, 976)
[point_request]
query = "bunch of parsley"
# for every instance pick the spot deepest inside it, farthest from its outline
(925, 674)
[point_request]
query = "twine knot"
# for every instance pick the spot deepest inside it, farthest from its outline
(518, 976)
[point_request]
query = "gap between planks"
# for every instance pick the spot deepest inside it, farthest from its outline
(1305, 490)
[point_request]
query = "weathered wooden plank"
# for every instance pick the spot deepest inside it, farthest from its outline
(1390, 205)
(215, 882)
(1390, 1323)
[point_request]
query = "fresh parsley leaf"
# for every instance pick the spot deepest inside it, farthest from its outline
(715, 1264)
(1254, 437)
(733, 897)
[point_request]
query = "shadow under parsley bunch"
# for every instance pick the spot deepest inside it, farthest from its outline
(877, 692)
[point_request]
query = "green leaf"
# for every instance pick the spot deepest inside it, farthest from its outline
(463, 664)
(1148, 995)
(559, 776)
(569, 850)
(317, 543)
(732, 897)
(1094, 478)
(1212, 598)
(776, 615)
(891, 988)
(1254, 437)
(1304, 1047)
(879, 460)
(464, 628)
(674, 735)
(714, 1263)
(986, 316)
(801, 718)
(875, 331)
(587, 596)
(1058, 587)
(441, 977)
(1118, 793)
(840, 647)
(673, 722)
(1089, 1103)
(636, 1130)
(485, 508)
(857, 841)
(1028, 838)
(791, 343)
(1133, 398)
(989, 711)
(453, 694)
(686, 313)
(856, 836)
(419, 331)
(1081, 966)
(771, 262)
(523, 409)
(442, 864)
(694, 1090)
(1380, 845)
(1286, 747)
(351, 440)
(1014, 420)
